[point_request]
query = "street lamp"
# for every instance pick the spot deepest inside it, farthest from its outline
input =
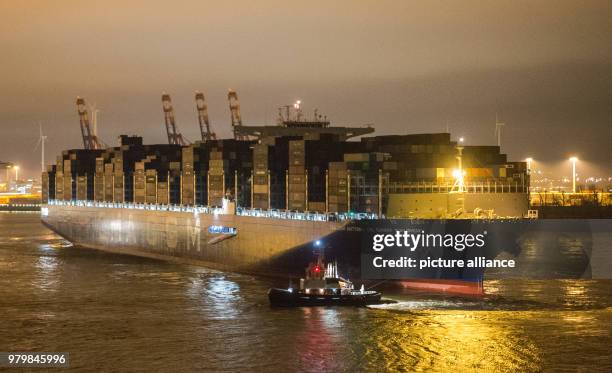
(573, 160)
(529, 160)
(458, 173)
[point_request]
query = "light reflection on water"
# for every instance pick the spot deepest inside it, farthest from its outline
(223, 295)
(119, 313)
(47, 278)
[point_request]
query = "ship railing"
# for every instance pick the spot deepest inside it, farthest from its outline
(485, 186)
(241, 211)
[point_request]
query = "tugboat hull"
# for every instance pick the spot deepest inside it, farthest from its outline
(287, 298)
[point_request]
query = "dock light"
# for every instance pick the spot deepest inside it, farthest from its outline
(573, 160)
(457, 174)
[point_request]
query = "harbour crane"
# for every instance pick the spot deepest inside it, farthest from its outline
(234, 105)
(90, 139)
(7, 166)
(174, 137)
(202, 108)
(94, 118)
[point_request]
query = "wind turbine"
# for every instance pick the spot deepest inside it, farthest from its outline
(498, 127)
(41, 141)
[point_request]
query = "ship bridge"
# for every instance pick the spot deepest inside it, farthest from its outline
(304, 129)
(292, 122)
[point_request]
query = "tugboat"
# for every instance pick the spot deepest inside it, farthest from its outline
(323, 288)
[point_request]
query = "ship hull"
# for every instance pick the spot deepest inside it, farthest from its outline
(283, 247)
(256, 245)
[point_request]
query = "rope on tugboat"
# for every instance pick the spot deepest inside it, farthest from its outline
(376, 284)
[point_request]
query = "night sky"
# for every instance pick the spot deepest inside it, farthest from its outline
(407, 66)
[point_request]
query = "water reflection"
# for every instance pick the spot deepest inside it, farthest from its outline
(451, 340)
(47, 275)
(317, 344)
(221, 296)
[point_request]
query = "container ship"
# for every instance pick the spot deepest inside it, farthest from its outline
(262, 201)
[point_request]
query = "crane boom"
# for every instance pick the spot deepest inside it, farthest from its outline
(174, 137)
(234, 105)
(202, 108)
(90, 140)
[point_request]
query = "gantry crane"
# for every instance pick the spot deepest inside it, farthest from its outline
(174, 137)
(90, 139)
(234, 105)
(6, 166)
(202, 108)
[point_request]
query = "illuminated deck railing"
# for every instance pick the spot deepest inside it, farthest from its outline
(488, 186)
(241, 211)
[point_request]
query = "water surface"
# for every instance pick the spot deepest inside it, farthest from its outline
(121, 313)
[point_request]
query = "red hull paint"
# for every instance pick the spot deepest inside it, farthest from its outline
(445, 286)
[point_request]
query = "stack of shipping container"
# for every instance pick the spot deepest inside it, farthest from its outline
(261, 176)
(217, 169)
(317, 174)
(188, 178)
(337, 190)
(297, 177)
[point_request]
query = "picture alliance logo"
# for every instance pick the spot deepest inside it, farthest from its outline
(413, 241)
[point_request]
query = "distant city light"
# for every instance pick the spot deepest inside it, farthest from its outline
(461, 139)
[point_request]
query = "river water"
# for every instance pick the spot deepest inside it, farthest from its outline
(121, 313)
